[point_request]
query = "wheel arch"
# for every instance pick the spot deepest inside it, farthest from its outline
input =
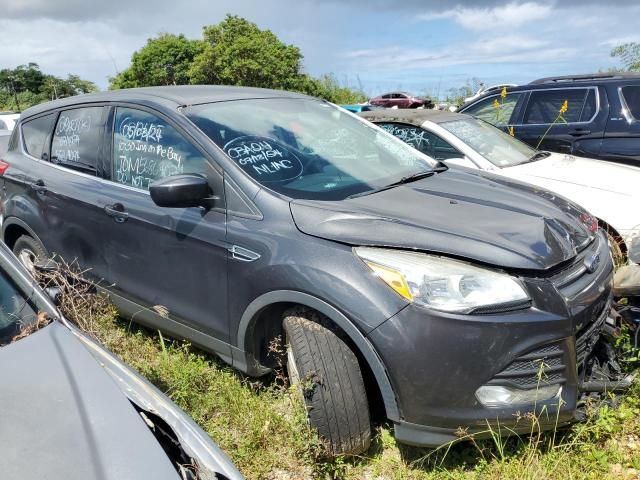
(13, 228)
(253, 313)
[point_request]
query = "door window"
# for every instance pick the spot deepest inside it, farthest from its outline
(631, 96)
(77, 139)
(146, 149)
(499, 113)
(423, 140)
(36, 135)
(544, 105)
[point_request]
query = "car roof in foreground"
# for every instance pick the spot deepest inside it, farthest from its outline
(414, 117)
(174, 95)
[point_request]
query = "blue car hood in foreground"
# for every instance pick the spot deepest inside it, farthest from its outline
(460, 212)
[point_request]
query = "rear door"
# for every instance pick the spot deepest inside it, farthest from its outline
(565, 120)
(171, 260)
(622, 137)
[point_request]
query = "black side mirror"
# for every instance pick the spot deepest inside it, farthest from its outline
(181, 191)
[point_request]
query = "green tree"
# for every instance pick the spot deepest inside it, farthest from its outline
(237, 52)
(164, 60)
(629, 54)
(328, 87)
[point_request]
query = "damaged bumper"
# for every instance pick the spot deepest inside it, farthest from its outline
(481, 374)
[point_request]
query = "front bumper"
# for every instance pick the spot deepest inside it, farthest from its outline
(436, 361)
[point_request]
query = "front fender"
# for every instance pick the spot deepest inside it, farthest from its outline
(244, 361)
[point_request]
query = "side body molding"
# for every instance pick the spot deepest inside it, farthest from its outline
(244, 361)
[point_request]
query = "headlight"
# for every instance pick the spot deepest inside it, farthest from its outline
(442, 283)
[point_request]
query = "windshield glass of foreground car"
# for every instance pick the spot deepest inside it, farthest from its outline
(305, 148)
(492, 143)
(15, 310)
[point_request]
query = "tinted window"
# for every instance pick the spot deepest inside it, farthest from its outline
(589, 109)
(36, 135)
(544, 106)
(496, 114)
(146, 149)
(3, 126)
(77, 139)
(423, 140)
(306, 148)
(631, 96)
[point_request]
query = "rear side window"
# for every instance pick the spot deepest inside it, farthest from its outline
(4, 144)
(146, 149)
(77, 139)
(495, 109)
(36, 134)
(3, 126)
(544, 105)
(631, 95)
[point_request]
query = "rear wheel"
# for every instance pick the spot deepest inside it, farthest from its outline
(29, 251)
(327, 374)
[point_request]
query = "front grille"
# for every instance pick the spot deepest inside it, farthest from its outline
(537, 368)
(589, 335)
(573, 279)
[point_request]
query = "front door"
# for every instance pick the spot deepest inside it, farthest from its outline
(172, 261)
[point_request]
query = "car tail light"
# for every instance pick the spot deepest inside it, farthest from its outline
(3, 167)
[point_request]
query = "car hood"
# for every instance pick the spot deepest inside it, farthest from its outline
(62, 416)
(460, 212)
(579, 171)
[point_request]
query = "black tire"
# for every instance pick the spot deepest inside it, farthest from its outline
(29, 251)
(330, 381)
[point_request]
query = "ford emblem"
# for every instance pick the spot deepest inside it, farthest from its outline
(591, 262)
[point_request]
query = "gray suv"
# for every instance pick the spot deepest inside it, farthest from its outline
(235, 216)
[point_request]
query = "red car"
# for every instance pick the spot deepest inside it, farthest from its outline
(397, 99)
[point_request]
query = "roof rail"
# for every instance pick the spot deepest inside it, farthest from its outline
(592, 76)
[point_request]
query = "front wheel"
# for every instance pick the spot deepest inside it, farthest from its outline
(327, 374)
(29, 251)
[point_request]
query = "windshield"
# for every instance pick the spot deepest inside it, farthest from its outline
(16, 310)
(306, 148)
(492, 143)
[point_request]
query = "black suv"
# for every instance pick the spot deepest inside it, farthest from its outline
(602, 117)
(235, 216)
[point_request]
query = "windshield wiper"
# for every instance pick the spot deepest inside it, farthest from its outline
(537, 156)
(408, 179)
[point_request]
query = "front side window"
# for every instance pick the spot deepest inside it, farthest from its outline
(427, 142)
(631, 95)
(77, 138)
(492, 143)
(36, 135)
(306, 148)
(495, 110)
(544, 106)
(146, 148)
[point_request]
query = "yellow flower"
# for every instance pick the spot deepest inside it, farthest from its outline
(511, 131)
(564, 107)
(496, 103)
(503, 93)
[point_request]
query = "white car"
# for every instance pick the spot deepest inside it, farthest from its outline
(609, 191)
(8, 120)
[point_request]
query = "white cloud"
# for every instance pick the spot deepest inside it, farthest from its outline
(510, 16)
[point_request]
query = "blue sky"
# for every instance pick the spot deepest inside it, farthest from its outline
(423, 46)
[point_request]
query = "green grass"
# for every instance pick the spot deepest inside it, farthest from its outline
(261, 425)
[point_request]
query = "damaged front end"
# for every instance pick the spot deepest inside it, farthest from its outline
(190, 449)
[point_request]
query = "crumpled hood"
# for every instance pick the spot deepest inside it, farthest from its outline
(63, 417)
(586, 172)
(460, 212)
